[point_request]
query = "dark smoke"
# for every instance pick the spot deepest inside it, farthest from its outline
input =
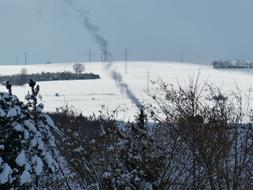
(117, 77)
(101, 42)
(93, 31)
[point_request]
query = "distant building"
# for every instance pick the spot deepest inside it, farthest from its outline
(232, 64)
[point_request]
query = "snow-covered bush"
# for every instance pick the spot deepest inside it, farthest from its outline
(106, 156)
(27, 147)
(84, 145)
(139, 157)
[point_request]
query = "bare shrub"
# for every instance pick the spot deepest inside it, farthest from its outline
(207, 126)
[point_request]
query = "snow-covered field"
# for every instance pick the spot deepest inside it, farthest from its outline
(89, 96)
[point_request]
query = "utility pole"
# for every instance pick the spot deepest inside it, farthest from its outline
(26, 58)
(126, 59)
(181, 57)
(17, 60)
(101, 58)
(89, 55)
(105, 51)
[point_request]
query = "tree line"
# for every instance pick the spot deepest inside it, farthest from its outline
(23, 77)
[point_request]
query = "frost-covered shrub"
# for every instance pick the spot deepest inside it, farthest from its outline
(27, 147)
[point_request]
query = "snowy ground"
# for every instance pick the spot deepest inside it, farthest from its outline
(89, 95)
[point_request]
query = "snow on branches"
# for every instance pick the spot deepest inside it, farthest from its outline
(27, 147)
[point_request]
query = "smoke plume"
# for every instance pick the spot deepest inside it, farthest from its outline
(101, 42)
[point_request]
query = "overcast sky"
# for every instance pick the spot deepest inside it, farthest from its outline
(203, 30)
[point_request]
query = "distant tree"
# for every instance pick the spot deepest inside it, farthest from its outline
(23, 71)
(78, 68)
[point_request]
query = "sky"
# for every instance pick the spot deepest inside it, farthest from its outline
(200, 31)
